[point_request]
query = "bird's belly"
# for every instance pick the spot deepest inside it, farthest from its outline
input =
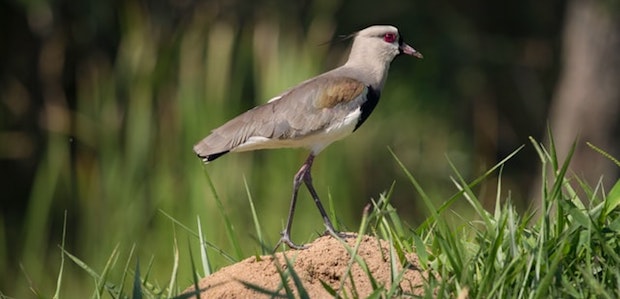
(315, 141)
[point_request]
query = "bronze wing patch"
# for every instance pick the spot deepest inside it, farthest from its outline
(341, 90)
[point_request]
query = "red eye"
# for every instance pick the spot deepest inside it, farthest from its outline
(389, 37)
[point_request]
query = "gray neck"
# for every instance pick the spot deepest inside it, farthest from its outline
(370, 64)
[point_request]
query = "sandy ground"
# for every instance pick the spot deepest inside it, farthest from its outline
(325, 260)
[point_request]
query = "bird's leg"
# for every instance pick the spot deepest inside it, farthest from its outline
(299, 177)
(307, 177)
(303, 175)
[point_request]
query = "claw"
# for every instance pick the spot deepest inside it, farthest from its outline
(286, 239)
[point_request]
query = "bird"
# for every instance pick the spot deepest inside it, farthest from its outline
(314, 113)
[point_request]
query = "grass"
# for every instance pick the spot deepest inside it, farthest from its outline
(567, 249)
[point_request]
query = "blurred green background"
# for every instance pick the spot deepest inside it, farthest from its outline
(102, 101)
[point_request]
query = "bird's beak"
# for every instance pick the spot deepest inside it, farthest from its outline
(407, 49)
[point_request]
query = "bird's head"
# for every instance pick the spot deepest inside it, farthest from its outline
(380, 42)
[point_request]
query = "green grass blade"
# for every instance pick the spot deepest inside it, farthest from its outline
(195, 278)
(425, 198)
(106, 270)
(354, 257)
(331, 291)
(542, 290)
(332, 210)
(223, 253)
(420, 249)
(62, 258)
(147, 274)
(594, 285)
(553, 158)
(204, 256)
(498, 193)
(301, 291)
(230, 229)
(175, 267)
(92, 273)
(259, 230)
(284, 281)
(126, 270)
(262, 290)
(474, 183)
(395, 272)
(612, 201)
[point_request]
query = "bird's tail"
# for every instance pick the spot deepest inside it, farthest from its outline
(207, 153)
(208, 158)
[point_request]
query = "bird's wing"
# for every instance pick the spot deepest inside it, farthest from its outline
(306, 109)
(316, 105)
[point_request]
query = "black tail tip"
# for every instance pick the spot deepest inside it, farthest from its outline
(208, 158)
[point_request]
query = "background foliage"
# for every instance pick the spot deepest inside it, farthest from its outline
(101, 102)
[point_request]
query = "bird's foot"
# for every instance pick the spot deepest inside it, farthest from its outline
(286, 239)
(331, 231)
(337, 234)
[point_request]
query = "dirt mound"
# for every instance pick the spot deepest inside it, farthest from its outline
(325, 260)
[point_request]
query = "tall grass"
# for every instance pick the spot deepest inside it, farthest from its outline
(570, 250)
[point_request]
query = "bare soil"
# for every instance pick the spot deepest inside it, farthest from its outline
(325, 260)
